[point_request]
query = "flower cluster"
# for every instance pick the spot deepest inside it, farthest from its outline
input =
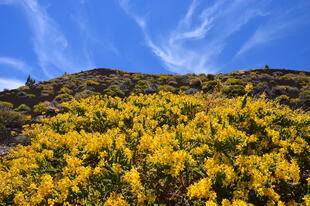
(164, 148)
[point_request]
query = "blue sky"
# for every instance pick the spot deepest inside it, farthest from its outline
(46, 38)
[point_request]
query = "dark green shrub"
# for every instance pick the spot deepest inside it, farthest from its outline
(166, 88)
(64, 90)
(23, 108)
(287, 77)
(141, 84)
(114, 90)
(233, 81)
(233, 91)
(209, 85)
(172, 83)
(11, 119)
(137, 76)
(305, 94)
(210, 76)
(40, 108)
(47, 88)
(196, 82)
(63, 97)
(91, 83)
(185, 87)
(23, 88)
(283, 99)
(31, 96)
(164, 78)
(5, 105)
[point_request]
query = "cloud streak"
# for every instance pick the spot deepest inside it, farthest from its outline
(49, 42)
(15, 64)
(10, 84)
(200, 36)
(276, 28)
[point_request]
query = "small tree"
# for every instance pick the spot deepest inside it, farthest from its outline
(30, 82)
(266, 66)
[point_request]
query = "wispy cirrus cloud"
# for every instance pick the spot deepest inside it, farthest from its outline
(49, 43)
(200, 36)
(276, 28)
(10, 84)
(16, 64)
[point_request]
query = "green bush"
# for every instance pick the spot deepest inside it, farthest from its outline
(283, 99)
(141, 85)
(184, 87)
(40, 108)
(209, 85)
(172, 83)
(196, 82)
(163, 78)
(64, 90)
(47, 88)
(23, 108)
(287, 77)
(233, 91)
(5, 105)
(31, 96)
(114, 90)
(166, 88)
(11, 119)
(63, 97)
(23, 88)
(137, 76)
(233, 81)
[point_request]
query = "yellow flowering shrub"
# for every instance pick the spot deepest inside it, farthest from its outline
(165, 148)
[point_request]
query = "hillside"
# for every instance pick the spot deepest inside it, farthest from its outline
(288, 86)
(109, 137)
(26, 104)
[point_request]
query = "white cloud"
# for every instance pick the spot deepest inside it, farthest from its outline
(127, 8)
(49, 42)
(15, 64)
(176, 51)
(277, 27)
(10, 84)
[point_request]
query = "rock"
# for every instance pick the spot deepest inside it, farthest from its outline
(150, 89)
(21, 140)
(191, 91)
(184, 80)
(4, 150)
(21, 94)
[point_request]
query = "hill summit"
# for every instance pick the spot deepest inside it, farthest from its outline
(289, 87)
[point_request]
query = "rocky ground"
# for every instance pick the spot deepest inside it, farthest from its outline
(8, 141)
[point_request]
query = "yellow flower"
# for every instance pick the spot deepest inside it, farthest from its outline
(115, 200)
(201, 189)
(248, 87)
(117, 168)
